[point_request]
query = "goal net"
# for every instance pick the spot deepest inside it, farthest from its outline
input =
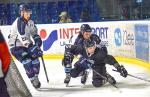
(15, 83)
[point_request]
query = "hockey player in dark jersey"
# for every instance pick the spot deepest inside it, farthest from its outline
(25, 43)
(95, 58)
(84, 34)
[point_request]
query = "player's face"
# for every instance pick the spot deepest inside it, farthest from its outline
(86, 35)
(26, 15)
(91, 50)
(21, 13)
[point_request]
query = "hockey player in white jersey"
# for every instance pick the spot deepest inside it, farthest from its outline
(23, 47)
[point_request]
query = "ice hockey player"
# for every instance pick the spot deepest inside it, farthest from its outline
(23, 48)
(84, 34)
(95, 58)
(4, 66)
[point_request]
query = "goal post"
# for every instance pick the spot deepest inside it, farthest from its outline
(15, 84)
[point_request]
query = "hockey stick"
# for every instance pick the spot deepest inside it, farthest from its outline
(70, 40)
(104, 78)
(90, 67)
(68, 46)
(45, 69)
(135, 76)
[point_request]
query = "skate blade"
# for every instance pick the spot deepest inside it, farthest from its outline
(67, 84)
(39, 89)
(83, 85)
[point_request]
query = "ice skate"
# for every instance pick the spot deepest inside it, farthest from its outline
(67, 79)
(84, 77)
(35, 82)
(110, 79)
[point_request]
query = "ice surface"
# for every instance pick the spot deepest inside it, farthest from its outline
(128, 87)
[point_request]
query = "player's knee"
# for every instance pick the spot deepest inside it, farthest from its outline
(30, 72)
(36, 70)
(97, 83)
(36, 66)
(27, 63)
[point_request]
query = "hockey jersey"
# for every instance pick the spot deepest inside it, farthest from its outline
(22, 32)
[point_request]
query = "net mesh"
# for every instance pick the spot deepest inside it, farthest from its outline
(15, 83)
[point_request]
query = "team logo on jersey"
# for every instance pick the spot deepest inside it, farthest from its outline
(118, 37)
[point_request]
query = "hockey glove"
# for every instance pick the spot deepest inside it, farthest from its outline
(68, 58)
(96, 38)
(34, 51)
(85, 63)
(103, 48)
(122, 70)
(67, 61)
(37, 40)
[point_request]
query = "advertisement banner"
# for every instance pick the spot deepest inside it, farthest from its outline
(142, 41)
(56, 36)
(123, 42)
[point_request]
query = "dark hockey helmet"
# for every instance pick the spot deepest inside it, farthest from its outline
(24, 7)
(89, 43)
(85, 28)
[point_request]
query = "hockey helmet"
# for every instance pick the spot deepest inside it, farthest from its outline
(89, 43)
(85, 28)
(24, 7)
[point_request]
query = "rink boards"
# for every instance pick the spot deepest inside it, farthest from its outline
(127, 39)
(120, 38)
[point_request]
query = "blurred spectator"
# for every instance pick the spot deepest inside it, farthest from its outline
(85, 17)
(136, 13)
(64, 17)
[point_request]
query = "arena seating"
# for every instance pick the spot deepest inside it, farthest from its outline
(48, 12)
